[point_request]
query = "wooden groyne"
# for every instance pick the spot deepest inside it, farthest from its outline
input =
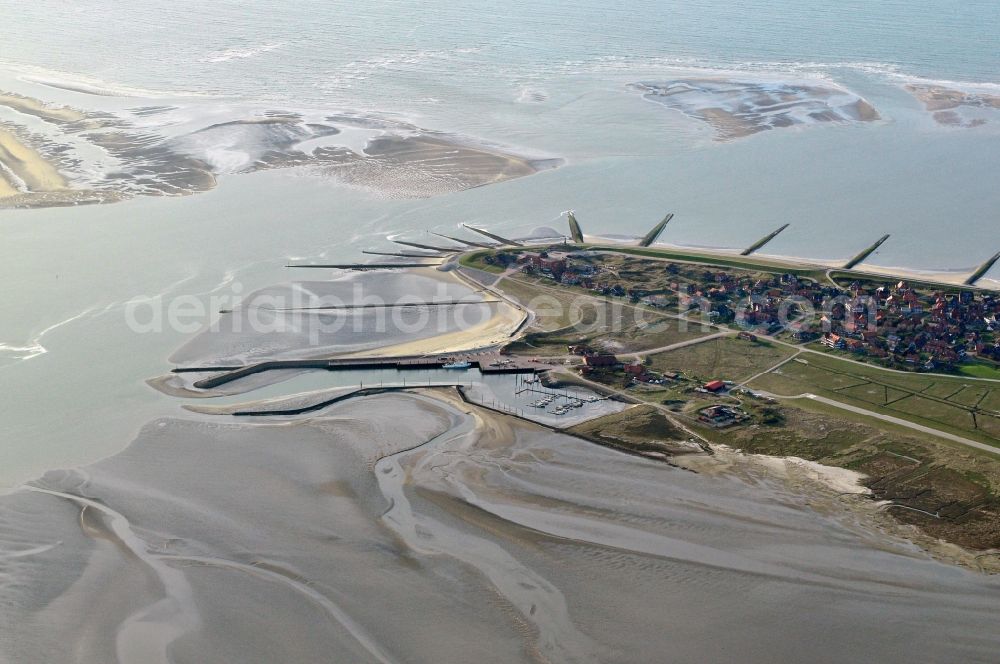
(982, 270)
(429, 247)
(468, 243)
(866, 253)
(492, 236)
(402, 254)
(387, 305)
(575, 232)
(761, 242)
(654, 233)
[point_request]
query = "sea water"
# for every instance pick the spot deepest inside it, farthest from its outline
(546, 78)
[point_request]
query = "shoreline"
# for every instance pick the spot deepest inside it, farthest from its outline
(776, 262)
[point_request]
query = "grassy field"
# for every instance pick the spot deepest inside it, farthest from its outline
(570, 317)
(955, 405)
(554, 308)
(640, 429)
(475, 260)
(721, 359)
(801, 433)
(980, 371)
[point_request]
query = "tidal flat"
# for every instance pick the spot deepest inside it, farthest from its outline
(352, 535)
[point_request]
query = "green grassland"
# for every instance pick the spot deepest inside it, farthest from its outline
(568, 316)
(727, 358)
(641, 429)
(955, 405)
(476, 259)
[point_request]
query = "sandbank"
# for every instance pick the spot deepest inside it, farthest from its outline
(31, 168)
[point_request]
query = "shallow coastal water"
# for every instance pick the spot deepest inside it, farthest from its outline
(326, 531)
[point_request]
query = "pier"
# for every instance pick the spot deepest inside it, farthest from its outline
(761, 242)
(866, 253)
(654, 233)
(486, 363)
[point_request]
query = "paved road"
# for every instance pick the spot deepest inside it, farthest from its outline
(767, 371)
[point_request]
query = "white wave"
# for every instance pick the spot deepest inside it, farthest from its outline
(225, 55)
(34, 348)
(532, 95)
(89, 85)
(779, 69)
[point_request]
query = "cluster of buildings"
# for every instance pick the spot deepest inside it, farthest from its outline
(567, 269)
(896, 324)
(915, 327)
(766, 304)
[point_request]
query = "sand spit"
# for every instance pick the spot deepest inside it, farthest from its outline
(165, 150)
(956, 108)
(428, 165)
(39, 109)
(448, 533)
(737, 109)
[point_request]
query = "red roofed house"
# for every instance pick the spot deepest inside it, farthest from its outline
(715, 386)
(600, 360)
